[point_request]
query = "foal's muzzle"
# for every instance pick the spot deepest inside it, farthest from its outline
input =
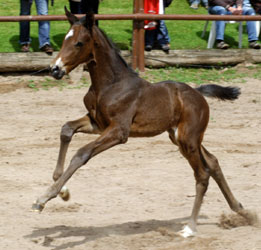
(57, 72)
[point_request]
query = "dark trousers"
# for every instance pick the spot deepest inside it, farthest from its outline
(75, 7)
(90, 5)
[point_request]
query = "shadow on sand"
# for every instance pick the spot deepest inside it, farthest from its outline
(93, 233)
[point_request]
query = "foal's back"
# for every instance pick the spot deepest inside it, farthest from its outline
(164, 105)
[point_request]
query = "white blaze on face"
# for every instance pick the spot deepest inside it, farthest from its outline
(69, 34)
(59, 62)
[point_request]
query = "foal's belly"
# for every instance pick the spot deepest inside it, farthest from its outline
(158, 110)
(148, 128)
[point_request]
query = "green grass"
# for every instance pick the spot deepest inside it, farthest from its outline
(184, 34)
(232, 75)
(201, 75)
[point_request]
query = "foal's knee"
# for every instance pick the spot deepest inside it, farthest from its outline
(66, 133)
(57, 174)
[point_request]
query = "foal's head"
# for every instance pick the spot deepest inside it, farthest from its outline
(77, 46)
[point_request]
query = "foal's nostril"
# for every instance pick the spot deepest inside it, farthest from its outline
(56, 72)
(55, 68)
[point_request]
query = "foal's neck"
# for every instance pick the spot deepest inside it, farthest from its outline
(108, 67)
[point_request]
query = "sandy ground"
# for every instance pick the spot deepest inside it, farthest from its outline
(134, 196)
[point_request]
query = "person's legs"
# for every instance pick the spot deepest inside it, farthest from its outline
(251, 25)
(84, 6)
(44, 26)
(149, 39)
(24, 26)
(194, 4)
(90, 5)
(194, 1)
(205, 3)
(251, 29)
(163, 36)
(220, 25)
(75, 7)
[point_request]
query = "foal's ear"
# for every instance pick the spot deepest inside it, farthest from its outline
(71, 18)
(89, 20)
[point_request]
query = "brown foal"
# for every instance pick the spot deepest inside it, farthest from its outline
(120, 104)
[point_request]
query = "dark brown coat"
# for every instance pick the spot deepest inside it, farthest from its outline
(120, 104)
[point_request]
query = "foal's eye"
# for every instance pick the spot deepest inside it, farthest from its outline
(78, 45)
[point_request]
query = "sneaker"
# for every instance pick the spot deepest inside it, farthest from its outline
(25, 48)
(254, 45)
(47, 48)
(165, 47)
(194, 6)
(222, 45)
(148, 47)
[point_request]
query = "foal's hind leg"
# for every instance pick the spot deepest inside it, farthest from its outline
(189, 146)
(216, 172)
(202, 180)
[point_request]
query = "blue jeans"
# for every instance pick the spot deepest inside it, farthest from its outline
(205, 2)
(159, 35)
(44, 26)
(163, 34)
(220, 25)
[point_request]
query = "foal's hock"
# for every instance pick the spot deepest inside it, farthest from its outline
(120, 104)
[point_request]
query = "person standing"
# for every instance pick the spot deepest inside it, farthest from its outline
(90, 6)
(75, 6)
(156, 33)
(44, 26)
(233, 7)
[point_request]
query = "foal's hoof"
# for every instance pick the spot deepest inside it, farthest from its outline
(64, 193)
(186, 232)
(37, 207)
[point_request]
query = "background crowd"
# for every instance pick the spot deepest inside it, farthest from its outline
(156, 35)
(76, 7)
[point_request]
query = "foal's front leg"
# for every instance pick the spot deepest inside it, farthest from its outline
(112, 136)
(83, 125)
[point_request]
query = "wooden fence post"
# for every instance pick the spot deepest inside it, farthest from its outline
(138, 37)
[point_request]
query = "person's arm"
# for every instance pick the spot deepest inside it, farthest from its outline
(239, 8)
(239, 3)
(222, 3)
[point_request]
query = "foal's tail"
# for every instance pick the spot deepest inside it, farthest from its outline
(219, 92)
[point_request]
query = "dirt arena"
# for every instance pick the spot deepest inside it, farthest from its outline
(134, 196)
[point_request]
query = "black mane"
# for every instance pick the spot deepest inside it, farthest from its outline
(112, 45)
